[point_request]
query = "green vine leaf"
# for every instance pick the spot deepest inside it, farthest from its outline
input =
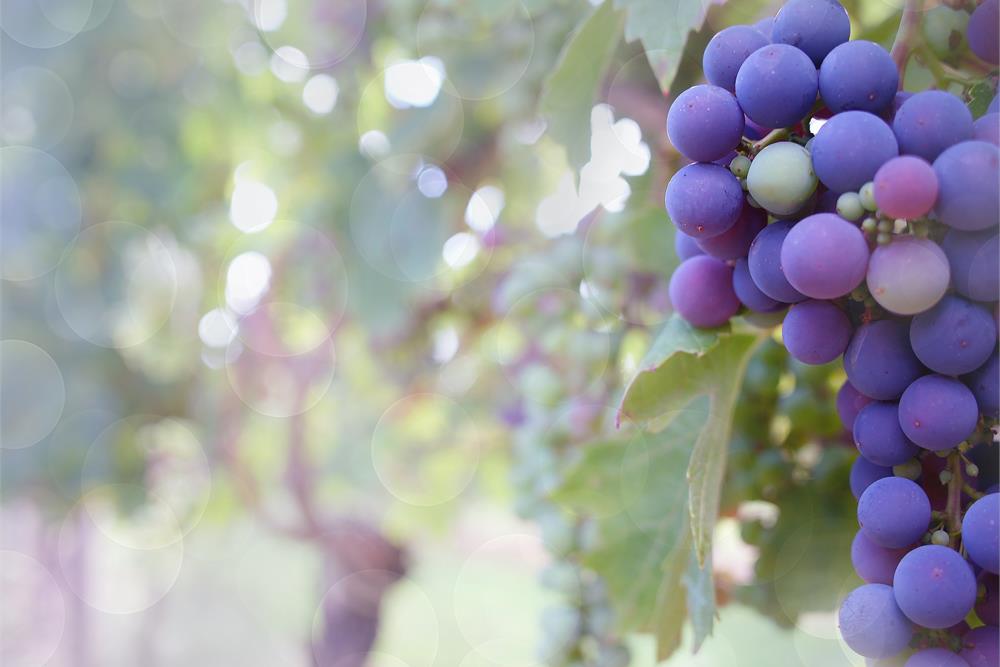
(683, 363)
(980, 96)
(571, 89)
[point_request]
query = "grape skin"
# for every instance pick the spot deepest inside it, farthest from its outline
(954, 337)
(909, 275)
(864, 473)
(816, 332)
(981, 532)
(934, 586)
(982, 31)
(988, 607)
(874, 564)
(984, 383)
(936, 657)
(879, 437)
(968, 174)
(879, 361)
(764, 27)
(776, 86)
(975, 263)
(814, 26)
(824, 256)
(894, 512)
(781, 178)
(726, 52)
(705, 123)
(765, 264)
(704, 200)
(906, 187)
(938, 412)
(849, 149)
(858, 75)
(944, 29)
(735, 241)
(685, 246)
(701, 290)
(850, 402)
(871, 622)
(981, 647)
(930, 122)
(748, 293)
(987, 128)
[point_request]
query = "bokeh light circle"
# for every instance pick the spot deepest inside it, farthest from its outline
(36, 108)
(325, 32)
(34, 611)
(45, 25)
(34, 394)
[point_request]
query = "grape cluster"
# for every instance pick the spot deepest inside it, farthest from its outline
(866, 218)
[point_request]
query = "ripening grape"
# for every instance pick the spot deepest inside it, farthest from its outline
(765, 264)
(938, 412)
(894, 512)
(705, 123)
(864, 473)
(909, 275)
(930, 122)
(879, 361)
(984, 382)
(874, 564)
(981, 532)
(879, 437)
(824, 256)
(982, 31)
(814, 26)
(981, 647)
(850, 148)
(776, 86)
(704, 200)
(968, 175)
(954, 337)
(975, 263)
(726, 52)
(850, 402)
(685, 246)
(936, 657)
(906, 187)
(872, 623)
(701, 290)
(944, 28)
(858, 75)
(987, 129)
(735, 241)
(781, 178)
(816, 332)
(748, 293)
(934, 586)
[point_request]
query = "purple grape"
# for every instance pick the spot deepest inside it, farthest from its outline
(765, 264)
(894, 512)
(726, 52)
(987, 129)
(984, 382)
(909, 275)
(685, 246)
(981, 532)
(827, 201)
(764, 27)
(735, 241)
(975, 263)
(701, 290)
(748, 292)
(954, 337)
(754, 131)
(850, 402)
(824, 256)
(934, 586)
(982, 31)
(864, 473)
(776, 86)
(879, 437)
(858, 75)
(814, 26)
(968, 194)
(872, 624)
(988, 607)
(994, 106)
(906, 187)
(850, 148)
(879, 361)
(938, 412)
(981, 647)
(930, 122)
(704, 200)
(874, 564)
(936, 657)
(816, 332)
(705, 123)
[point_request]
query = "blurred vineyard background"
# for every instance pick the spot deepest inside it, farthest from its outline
(305, 305)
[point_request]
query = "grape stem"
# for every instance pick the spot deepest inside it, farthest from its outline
(953, 510)
(772, 137)
(909, 27)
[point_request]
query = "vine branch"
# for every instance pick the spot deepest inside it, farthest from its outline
(909, 29)
(953, 510)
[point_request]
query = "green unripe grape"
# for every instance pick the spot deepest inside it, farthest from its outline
(940, 538)
(944, 30)
(753, 202)
(885, 226)
(883, 238)
(910, 470)
(972, 470)
(867, 194)
(781, 178)
(869, 225)
(740, 166)
(849, 206)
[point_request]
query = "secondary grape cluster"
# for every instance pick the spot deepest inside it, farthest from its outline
(864, 218)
